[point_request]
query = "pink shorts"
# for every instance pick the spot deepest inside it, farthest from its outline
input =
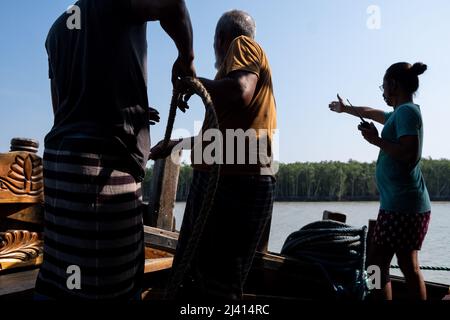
(401, 231)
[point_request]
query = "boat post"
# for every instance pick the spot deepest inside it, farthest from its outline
(334, 216)
(164, 192)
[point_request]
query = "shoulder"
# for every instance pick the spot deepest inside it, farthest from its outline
(408, 116)
(388, 115)
(409, 110)
(409, 107)
(247, 44)
(246, 40)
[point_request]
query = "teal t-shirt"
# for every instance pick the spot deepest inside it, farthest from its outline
(402, 189)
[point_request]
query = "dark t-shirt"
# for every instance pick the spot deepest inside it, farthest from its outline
(100, 74)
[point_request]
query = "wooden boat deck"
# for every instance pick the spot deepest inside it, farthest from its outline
(273, 277)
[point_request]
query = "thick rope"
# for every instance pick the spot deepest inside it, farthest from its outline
(176, 97)
(428, 268)
(208, 201)
(334, 247)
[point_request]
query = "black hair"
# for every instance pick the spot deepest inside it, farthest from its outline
(406, 75)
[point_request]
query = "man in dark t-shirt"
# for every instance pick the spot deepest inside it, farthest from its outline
(96, 152)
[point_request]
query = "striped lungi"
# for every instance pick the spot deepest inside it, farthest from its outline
(93, 224)
(241, 211)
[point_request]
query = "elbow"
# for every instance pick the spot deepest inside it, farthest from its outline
(410, 160)
(241, 99)
(236, 94)
(244, 96)
(408, 157)
(246, 99)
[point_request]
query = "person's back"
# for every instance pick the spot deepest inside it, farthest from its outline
(97, 150)
(99, 74)
(243, 98)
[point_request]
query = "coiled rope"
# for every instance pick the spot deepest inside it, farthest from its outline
(336, 248)
(212, 121)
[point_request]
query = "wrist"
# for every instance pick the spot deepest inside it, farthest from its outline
(379, 142)
(345, 109)
(186, 57)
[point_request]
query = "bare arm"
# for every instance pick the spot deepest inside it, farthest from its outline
(405, 151)
(234, 91)
(175, 20)
(153, 10)
(159, 151)
(365, 112)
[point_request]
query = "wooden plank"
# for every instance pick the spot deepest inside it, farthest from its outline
(154, 265)
(159, 238)
(160, 232)
(17, 282)
(32, 214)
(169, 193)
(9, 264)
(164, 190)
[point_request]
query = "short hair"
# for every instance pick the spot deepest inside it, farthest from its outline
(236, 23)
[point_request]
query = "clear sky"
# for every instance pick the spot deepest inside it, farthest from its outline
(316, 48)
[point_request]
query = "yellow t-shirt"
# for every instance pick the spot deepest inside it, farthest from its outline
(257, 121)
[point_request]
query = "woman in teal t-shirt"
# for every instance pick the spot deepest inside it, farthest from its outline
(405, 206)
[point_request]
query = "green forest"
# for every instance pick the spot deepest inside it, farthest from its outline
(331, 181)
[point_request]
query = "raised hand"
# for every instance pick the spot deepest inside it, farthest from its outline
(337, 106)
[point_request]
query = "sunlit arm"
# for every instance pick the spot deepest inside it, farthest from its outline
(234, 91)
(174, 19)
(367, 113)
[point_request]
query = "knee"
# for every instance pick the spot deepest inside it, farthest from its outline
(409, 267)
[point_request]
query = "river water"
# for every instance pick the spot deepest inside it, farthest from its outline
(291, 216)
